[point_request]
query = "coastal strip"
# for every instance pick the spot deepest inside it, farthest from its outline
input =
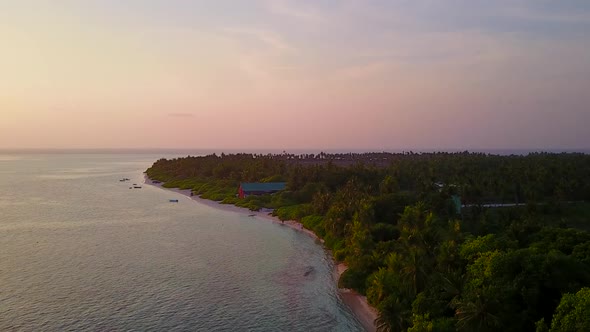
(358, 304)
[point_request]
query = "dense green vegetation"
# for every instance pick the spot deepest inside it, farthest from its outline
(426, 265)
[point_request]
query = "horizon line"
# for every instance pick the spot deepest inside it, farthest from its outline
(293, 150)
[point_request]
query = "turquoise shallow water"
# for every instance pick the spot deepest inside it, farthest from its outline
(80, 251)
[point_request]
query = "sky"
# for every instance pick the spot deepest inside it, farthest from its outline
(295, 74)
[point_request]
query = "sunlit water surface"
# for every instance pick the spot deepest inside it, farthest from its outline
(79, 250)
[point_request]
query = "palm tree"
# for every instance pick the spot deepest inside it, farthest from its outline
(451, 283)
(393, 316)
(380, 284)
(476, 316)
(413, 271)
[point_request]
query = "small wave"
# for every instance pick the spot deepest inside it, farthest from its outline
(10, 158)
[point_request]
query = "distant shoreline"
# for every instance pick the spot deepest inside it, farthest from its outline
(358, 304)
(206, 151)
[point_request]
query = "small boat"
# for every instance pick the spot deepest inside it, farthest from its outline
(173, 200)
(252, 215)
(137, 187)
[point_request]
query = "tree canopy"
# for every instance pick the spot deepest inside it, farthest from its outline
(514, 256)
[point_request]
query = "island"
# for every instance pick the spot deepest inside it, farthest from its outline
(435, 241)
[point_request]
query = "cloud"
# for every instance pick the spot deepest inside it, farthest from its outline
(269, 38)
(288, 9)
(545, 16)
(181, 115)
(262, 55)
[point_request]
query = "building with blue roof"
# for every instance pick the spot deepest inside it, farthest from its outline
(260, 188)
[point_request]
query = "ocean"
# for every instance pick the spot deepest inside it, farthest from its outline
(80, 251)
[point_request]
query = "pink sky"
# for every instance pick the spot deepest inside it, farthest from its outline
(294, 74)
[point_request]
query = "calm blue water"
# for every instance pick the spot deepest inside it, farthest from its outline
(80, 251)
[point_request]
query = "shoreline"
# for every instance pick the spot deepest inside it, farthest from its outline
(356, 302)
